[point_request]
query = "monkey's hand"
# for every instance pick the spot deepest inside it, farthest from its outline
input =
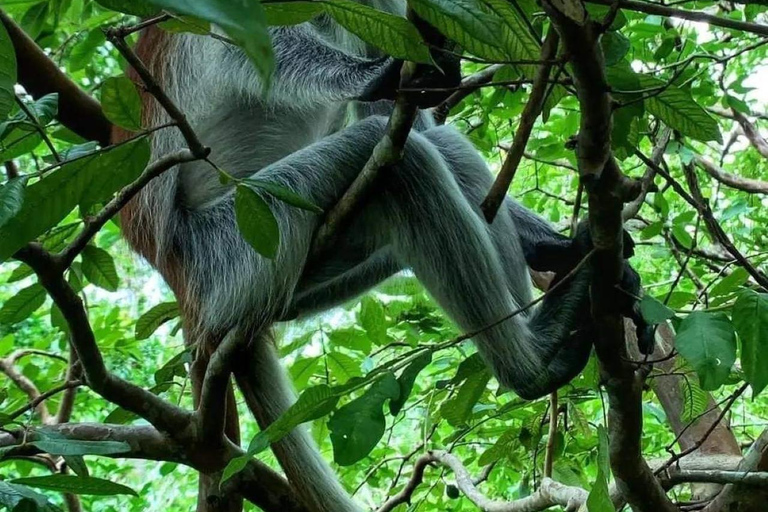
(630, 287)
(428, 87)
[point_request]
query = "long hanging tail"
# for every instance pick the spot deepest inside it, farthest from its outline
(268, 393)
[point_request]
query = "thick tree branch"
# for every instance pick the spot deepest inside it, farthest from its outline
(608, 189)
(149, 406)
(40, 76)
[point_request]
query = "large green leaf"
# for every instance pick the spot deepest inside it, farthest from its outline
(291, 13)
(242, 20)
(458, 409)
(76, 485)
(708, 342)
(82, 182)
(121, 102)
(18, 498)
(357, 427)
(70, 447)
(150, 321)
(653, 311)
(393, 34)
(256, 222)
(11, 198)
(22, 305)
(141, 8)
(406, 381)
(313, 403)
(750, 317)
(7, 73)
(466, 23)
(99, 268)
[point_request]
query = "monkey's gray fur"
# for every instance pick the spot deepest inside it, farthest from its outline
(311, 136)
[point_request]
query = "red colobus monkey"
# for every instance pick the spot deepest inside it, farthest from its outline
(313, 132)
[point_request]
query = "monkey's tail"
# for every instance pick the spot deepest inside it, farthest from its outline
(268, 393)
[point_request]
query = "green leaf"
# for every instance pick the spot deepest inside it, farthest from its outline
(83, 52)
(313, 403)
(242, 20)
(141, 8)
(461, 21)
(708, 342)
(678, 110)
(256, 222)
(291, 13)
(615, 46)
(99, 268)
(233, 467)
(342, 367)
(695, 399)
(407, 379)
(86, 182)
(352, 339)
(373, 319)
(11, 198)
(750, 317)
(76, 485)
(653, 311)
(393, 34)
(121, 103)
(22, 305)
(77, 464)
(730, 283)
(357, 427)
(7, 73)
(68, 447)
(150, 321)
(285, 195)
(458, 410)
(599, 499)
(186, 24)
(13, 497)
(302, 370)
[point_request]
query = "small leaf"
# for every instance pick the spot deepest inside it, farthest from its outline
(21, 306)
(342, 366)
(653, 311)
(121, 103)
(458, 409)
(141, 8)
(76, 485)
(99, 268)
(750, 317)
(70, 447)
(7, 73)
(154, 318)
(708, 342)
(77, 464)
(234, 466)
(407, 379)
(357, 427)
(256, 222)
(11, 198)
(373, 319)
(285, 195)
(615, 46)
(291, 13)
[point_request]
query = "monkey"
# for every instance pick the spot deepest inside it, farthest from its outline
(312, 131)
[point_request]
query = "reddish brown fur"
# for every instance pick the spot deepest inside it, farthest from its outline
(153, 49)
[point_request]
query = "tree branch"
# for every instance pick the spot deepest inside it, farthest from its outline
(40, 76)
(531, 112)
(749, 185)
(608, 189)
(662, 10)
